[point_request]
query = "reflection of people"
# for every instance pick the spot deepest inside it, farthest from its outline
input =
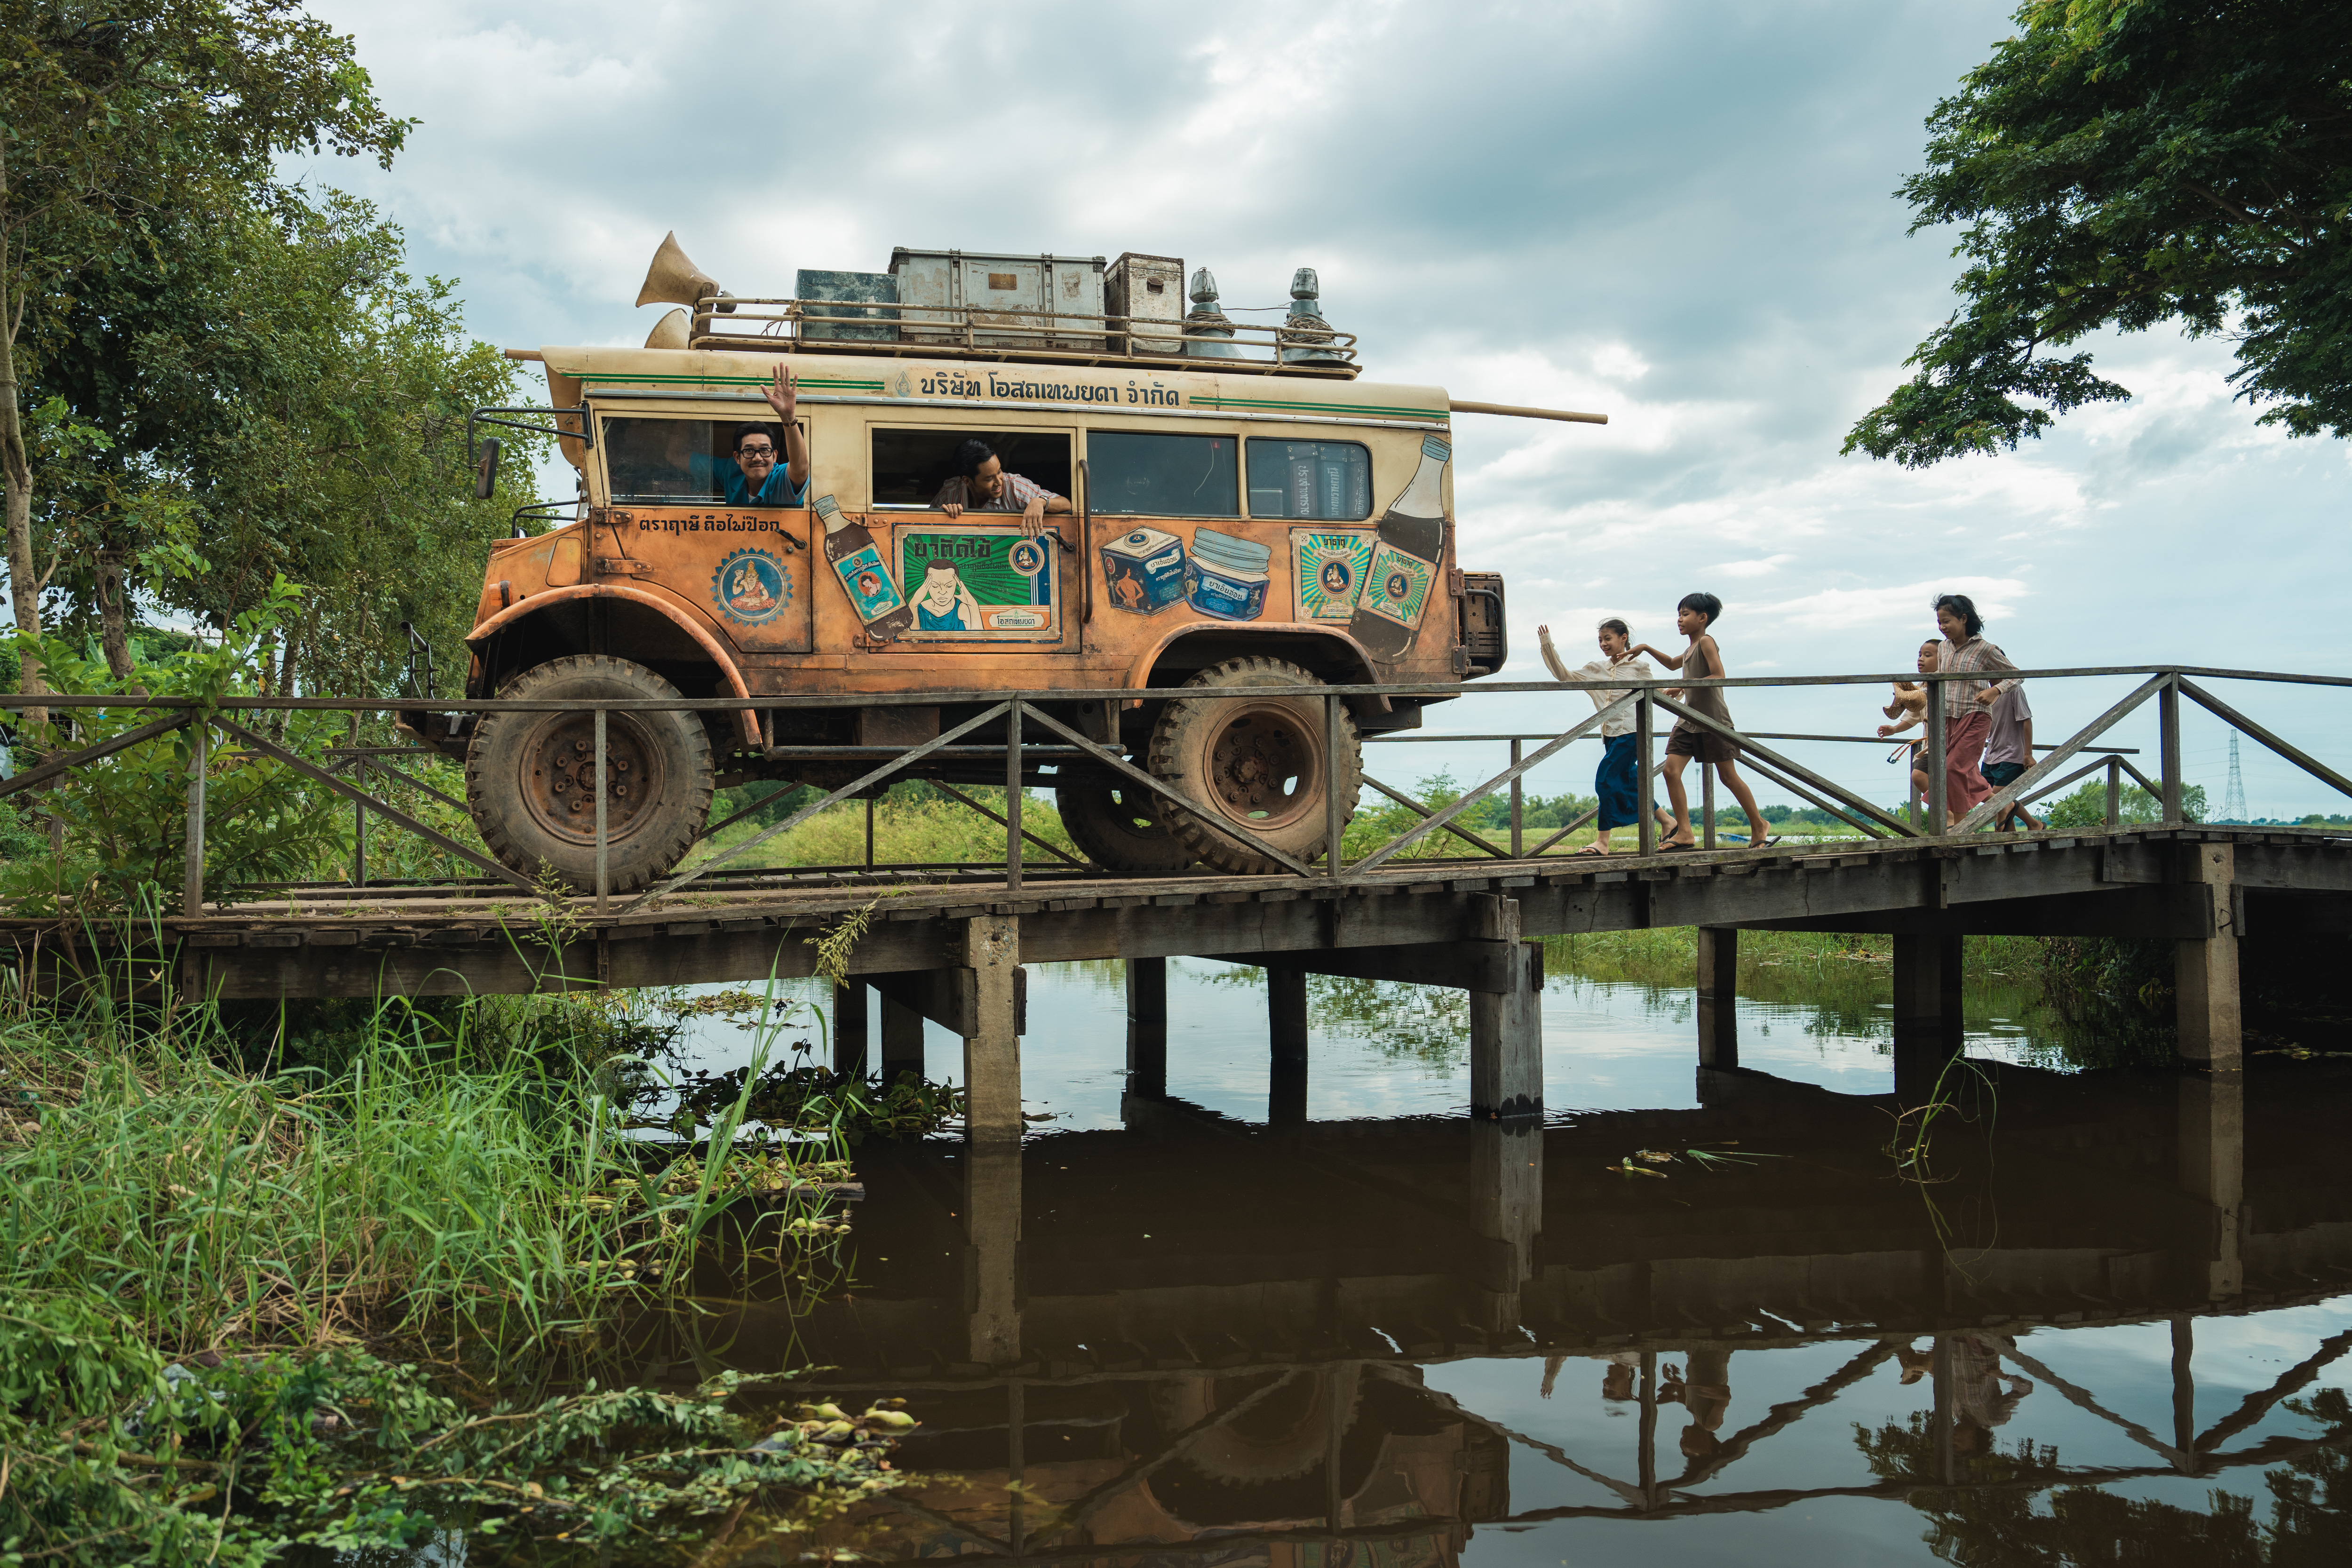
(941, 602)
(1616, 783)
(1983, 1396)
(981, 484)
(1617, 1377)
(1707, 1396)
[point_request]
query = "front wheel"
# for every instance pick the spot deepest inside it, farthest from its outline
(1257, 764)
(531, 786)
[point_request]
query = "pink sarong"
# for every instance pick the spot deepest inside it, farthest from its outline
(1964, 744)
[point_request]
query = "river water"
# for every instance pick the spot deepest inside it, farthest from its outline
(1691, 1318)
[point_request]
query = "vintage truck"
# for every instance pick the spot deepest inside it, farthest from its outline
(1261, 518)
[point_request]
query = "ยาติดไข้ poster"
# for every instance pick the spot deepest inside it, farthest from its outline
(980, 585)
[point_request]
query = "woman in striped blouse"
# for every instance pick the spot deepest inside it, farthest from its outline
(1968, 704)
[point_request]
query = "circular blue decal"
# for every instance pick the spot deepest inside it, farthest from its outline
(1028, 558)
(751, 587)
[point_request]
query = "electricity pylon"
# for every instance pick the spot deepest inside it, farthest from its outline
(2233, 799)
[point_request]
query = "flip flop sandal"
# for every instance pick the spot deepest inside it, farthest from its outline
(1591, 849)
(1674, 848)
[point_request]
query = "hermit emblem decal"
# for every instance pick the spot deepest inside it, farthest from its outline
(751, 587)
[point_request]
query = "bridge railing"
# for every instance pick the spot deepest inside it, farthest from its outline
(1028, 733)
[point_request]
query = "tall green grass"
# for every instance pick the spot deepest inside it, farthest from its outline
(414, 1190)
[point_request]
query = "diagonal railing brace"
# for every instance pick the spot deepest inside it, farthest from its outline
(1126, 769)
(33, 778)
(1795, 769)
(796, 818)
(392, 814)
(2003, 799)
(1455, 829)
(1472, 797)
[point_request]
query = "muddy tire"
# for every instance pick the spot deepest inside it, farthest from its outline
(1116, 826)
(1257, 764)
(530, 776)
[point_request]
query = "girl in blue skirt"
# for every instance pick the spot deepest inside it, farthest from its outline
(1615, 782)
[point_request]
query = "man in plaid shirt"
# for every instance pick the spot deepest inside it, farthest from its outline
(1968, 704)
(981, 484)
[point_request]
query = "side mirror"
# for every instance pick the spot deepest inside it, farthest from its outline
(486, 472)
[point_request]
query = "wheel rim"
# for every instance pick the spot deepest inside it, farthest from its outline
(559, 773)
(1265, 766)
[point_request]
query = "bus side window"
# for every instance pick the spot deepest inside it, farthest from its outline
(909, 466)
(673, 462)
(1129, 474)
(1322, 481)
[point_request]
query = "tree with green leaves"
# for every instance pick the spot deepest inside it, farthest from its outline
(276, 397)
(114, 118)
(2123, 164)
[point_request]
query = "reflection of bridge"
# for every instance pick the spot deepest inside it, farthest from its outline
(947, 945)
(1192, 1337)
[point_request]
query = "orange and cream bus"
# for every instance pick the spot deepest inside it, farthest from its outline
(1265, 516)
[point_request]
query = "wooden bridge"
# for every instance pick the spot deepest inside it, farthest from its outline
(947, 945)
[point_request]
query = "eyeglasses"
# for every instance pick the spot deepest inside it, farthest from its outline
(755, 451)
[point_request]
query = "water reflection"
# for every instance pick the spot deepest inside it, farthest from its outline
(2111, 1330)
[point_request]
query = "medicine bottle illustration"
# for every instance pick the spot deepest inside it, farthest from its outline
(864, 576)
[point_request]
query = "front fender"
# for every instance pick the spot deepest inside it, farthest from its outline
(705, 636)
(1353, 653)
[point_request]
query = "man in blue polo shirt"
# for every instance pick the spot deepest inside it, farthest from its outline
(754, 479)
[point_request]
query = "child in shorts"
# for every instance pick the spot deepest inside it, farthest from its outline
(2008, 750)
(1701, 660)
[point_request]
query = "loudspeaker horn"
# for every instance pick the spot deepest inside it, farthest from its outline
(674, 331)
(674, 279)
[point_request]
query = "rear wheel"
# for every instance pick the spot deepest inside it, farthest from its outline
(531, 778)
(1257, 764)
(1117, 826)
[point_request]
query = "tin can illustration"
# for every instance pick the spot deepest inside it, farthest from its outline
(1144, 572)
(1226, 577)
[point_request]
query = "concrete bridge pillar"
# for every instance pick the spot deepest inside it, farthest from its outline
(1286, 1004)
(991, 1042)
(1928, 1032)
(1147, 1027)
(1719, 996)
(1506, 1027)
(2205, 974)
(849, 1034)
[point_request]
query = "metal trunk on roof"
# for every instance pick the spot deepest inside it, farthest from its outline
(1016, 302)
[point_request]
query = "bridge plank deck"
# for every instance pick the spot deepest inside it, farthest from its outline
(323, 940)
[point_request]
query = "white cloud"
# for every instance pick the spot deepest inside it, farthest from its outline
(1675, 213)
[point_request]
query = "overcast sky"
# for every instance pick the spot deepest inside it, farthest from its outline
(1681, 215)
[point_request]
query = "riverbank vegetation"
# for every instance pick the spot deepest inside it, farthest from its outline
(342, 1276)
